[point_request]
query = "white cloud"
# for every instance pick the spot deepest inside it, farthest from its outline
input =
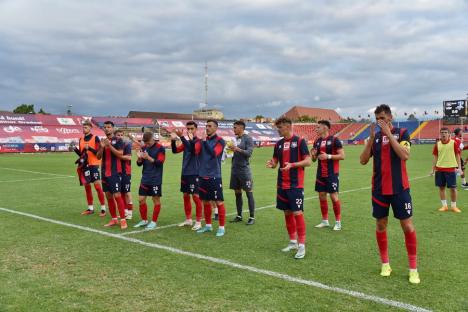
(262, 54)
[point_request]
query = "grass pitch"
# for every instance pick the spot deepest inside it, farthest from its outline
(51, 267)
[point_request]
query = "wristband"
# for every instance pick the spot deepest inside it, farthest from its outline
(329, 156)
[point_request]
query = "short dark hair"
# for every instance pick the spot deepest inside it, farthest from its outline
(147, 136)
(239, 123)
(444, 129)
(325, 122)
(87, 123)
(213, 121)
(108, 122)
(191, 123)
(383, 108)
(457, 131)
(283, 120)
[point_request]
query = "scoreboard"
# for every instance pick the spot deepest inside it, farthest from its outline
(456, 108)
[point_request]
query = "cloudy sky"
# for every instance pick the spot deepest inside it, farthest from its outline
(263, 56)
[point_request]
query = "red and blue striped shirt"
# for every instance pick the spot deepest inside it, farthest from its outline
(390, 176)
(290, 150)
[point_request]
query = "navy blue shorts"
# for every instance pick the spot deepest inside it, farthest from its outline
(90, 174)
(401, 205)
(292, 199)
(150, 190)
(328, 184)
(112, 184)
(189, 184)
(126, 183)
(210, 189)
(446, 179)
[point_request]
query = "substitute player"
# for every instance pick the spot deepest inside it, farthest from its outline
(292, 155)
(190, 167)
(151, 157)
(110, 153)
(210, 151)
(126, 174)
(445, 166)
(390, 148)
(328, 150)
(87, 149)
(241, 175)
(459, 140)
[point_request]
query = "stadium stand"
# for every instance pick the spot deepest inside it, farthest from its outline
(43, 133)
(432, 127)
(262, 134)
(307, 130)
(39, 133)
(124, 122)
(349, 132)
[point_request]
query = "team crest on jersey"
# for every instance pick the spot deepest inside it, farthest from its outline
(113, 142)
(286, 145)
(385, 140)
(329, 143)
(323, 143)
(293, 144)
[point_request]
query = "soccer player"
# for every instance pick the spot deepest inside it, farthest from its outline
(241, 175)
(89, 171)
(110, 153)
(189, 178)
(390, 148)
(126, 175)
(445, 166)
(151, 157)
(459, 140)
(210, 184)
(329, 151)
(292, 155)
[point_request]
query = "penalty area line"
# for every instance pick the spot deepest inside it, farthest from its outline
(228, 263)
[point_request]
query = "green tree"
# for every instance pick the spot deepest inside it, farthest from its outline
(306, 118)
(43, 112)
(24, 109)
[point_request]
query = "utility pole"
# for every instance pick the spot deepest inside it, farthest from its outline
(206, 84)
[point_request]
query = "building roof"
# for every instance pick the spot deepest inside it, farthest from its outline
(319, 113)
(159, 115)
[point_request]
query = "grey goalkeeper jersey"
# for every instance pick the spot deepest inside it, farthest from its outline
(241, 160)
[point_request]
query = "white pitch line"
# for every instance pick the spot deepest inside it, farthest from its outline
(39, 179)
(228, 263)
(261, 208)
(37, 172)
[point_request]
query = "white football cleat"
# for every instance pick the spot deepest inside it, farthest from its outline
(291, 246)
(300, 252)
(323, 224)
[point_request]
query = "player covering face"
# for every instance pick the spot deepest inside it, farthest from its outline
(390, 149)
